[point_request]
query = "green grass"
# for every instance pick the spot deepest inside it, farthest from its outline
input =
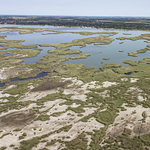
(22, 136)
(3, 148)
(77, 109)
(64, 51)
(139, 68)
(104, 117)
(29, 144)
(81, 33)
(76, 70)
(127, 33)
(42, 117)
(144, 115)
(25, 31)
(133, 54)
(78, 143)
(80, 56)
(81, 42)
(19, 53)
(106, 58)
(121, 42)
(121, 51)
(131, 62)
(111, 65)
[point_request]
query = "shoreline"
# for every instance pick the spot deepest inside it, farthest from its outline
(76, 27)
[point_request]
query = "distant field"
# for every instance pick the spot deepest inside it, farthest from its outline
(96, 22)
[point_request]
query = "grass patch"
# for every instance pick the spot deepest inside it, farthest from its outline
(64, 51)
(81, 42)
(111, 65)
(80, 56)
(79, 143)
(131, 62)
(121, 51)
(106, 58)
(42, 117)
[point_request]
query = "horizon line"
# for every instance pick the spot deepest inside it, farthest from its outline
(74, 16)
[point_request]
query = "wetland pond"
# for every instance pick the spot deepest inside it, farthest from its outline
(115, 51)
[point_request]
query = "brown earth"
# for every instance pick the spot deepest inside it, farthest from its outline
(49, 85)
(17, 119)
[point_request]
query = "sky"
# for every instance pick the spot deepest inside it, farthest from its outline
(135, 8)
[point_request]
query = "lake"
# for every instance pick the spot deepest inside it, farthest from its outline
(96, 59)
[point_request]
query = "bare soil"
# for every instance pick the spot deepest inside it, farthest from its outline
(49, 85)
(17, 119)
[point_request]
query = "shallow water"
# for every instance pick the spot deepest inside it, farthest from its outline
(7, 54)
(108, 51)
(41, 74)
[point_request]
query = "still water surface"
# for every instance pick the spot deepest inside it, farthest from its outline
(107, 51)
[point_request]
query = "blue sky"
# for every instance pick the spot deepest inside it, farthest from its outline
(76, 7)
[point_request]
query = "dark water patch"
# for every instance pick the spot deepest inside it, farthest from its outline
(67, 55)
(2, 84)
(7, 54)
(128, 73)
(40, 75)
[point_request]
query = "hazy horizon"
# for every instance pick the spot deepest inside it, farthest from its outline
(77, 16)
(95, 8)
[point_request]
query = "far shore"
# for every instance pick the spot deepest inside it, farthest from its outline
(74, 27)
